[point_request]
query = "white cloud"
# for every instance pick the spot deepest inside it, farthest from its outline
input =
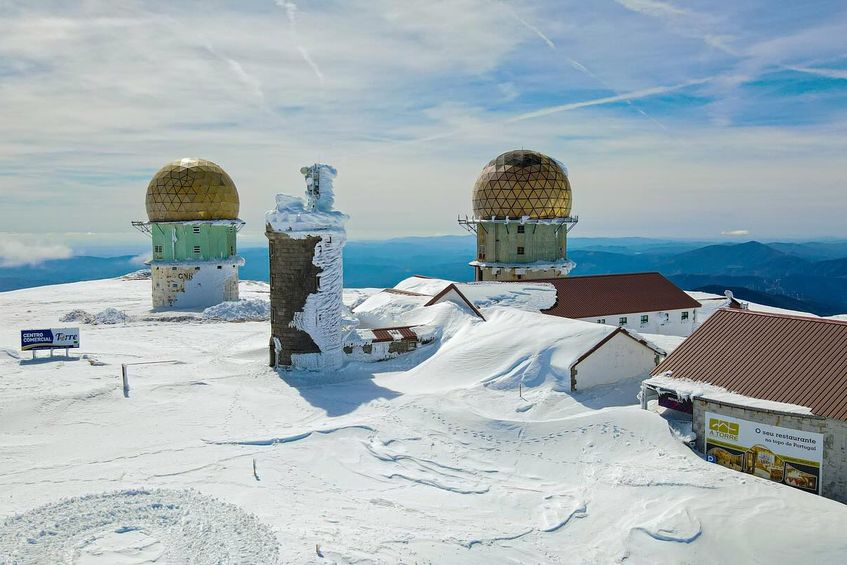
(21, 250)
(412, 99)
(735, 233)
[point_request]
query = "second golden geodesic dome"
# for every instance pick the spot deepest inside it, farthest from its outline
(191, 189)
(522, 183)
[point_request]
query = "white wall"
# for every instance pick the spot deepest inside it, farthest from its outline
(194, 285)
(620, 358)
(663, 323)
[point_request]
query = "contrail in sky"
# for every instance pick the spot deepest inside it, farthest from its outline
(291, 12)
(622, 97)
(577, 65)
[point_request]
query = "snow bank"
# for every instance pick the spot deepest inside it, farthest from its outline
(687, 389)
(139, 275)
(523, 295)
(107, 316)
(111, 316)
(167, 526)
(78, 315)
(387, 309)
(246, 310)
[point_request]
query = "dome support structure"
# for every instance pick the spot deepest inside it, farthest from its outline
(521, 218)
(192, 220)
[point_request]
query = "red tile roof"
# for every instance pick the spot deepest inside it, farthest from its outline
(384, 334)
(609, 295)
(792, 359)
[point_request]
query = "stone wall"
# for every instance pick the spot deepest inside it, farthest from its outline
(293, 278)
(834, 469)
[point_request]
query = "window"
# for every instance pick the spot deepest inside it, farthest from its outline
(231, 250)
(197, 250)
(644, 319)
(520, 250)
(684, 316)
(601, 321)
(158, 249)
(622, 321)
(521, 229)
(520, 277)
(196, 229)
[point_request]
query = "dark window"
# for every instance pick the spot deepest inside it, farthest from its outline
(644, 318)
(196, 249)
(158, 249)
(219, 267)
(601, 321)
(521, 229)
(622, 321)
(520, 250)
(196, 229)
(520, 277)
(684, 316)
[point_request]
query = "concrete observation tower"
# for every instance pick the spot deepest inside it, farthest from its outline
(521, 218)
(192, 210)
(306, 239)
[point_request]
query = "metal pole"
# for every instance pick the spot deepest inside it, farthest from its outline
(125, 379)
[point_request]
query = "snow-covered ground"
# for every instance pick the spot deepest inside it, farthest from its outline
(215, 458)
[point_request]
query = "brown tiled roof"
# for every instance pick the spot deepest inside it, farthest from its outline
(609, 295)
(384, 334)
(792, 359)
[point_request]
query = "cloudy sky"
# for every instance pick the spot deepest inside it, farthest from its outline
(696, 119)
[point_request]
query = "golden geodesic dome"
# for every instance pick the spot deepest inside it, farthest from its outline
(191, 189)
(522, 183)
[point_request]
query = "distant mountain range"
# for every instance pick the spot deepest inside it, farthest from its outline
(810, 276)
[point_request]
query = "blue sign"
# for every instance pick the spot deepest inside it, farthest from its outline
(54, 338)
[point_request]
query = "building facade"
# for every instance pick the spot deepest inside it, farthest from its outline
(642, 302)
(766, 395)
(521, 217)
(192, 209)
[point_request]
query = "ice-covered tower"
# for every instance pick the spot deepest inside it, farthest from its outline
(192, 207)
(521, 217)
(306, 239)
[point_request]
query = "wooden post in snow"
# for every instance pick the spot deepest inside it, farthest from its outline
(125, 379)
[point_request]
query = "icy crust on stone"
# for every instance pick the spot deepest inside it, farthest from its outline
(562, 266)
(686, 389)
(298, 217)
(322, 314)
(236, 260)
(291, 216)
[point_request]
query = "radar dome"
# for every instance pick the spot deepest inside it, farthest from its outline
(522, 183)
(191, 189)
